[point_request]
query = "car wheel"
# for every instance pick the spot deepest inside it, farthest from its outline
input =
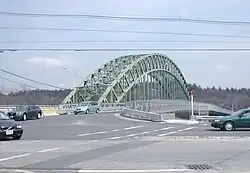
(17, 137)
(229, 126)
(38, 115)
(24, 117)
(97, 110)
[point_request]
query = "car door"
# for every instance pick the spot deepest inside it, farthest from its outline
(243, 121)
(29, 112)
(91, 107)
(34, 111)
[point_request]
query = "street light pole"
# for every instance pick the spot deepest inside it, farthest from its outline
(73, 75)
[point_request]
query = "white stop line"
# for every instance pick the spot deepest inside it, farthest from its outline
(17, 171)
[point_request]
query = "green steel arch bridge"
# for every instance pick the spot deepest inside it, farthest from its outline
(132, 77)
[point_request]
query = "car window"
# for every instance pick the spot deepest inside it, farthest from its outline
(239, 112)
(34, 107)
(20, 108)
(246, 113)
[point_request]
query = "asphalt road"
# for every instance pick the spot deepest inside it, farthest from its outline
(106, 142)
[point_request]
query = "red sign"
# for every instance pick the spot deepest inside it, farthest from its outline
(191, 92)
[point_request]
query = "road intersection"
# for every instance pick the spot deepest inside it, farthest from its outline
(107, 142)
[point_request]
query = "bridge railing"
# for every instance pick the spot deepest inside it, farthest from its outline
(174, 105)
(168, 109)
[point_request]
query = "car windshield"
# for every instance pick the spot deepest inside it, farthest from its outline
(84, 104)
(237, 113)
(3, 116)
(20, 107)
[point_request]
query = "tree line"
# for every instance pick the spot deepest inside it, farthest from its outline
(229, 98)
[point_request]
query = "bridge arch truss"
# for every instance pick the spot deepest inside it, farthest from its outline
(132, 77)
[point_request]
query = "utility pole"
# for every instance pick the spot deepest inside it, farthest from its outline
(74, 79)
(192, 103)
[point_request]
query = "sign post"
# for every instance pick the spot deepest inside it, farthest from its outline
(192, 103)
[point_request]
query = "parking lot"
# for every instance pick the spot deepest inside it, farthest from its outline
(86, 143)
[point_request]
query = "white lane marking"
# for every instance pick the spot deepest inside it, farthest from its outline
(134, 171)
(109, 131)
(20, 171)
(173, 132)
(48, 150)
(14, 157)
(141, 133)
(53, 149)
(9, 143)
(45, 150)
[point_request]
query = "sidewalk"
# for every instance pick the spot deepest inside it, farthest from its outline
(176, 121)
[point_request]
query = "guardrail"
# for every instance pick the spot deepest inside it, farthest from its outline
(141, 115)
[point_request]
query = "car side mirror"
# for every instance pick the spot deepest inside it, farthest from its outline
(240, 116)
(28, 109)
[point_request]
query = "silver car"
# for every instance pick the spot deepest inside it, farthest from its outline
(87, 107)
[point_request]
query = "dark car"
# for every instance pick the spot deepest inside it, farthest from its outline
(25, 112)
(9, 128)
(238, 119)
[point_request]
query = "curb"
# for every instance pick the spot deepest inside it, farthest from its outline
(49, 115)
(189, 122)
(193, 138)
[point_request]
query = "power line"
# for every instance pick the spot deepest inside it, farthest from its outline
(128, 18)
(30, 79)
(121, 31)
(17, 82)
(128, 49)
(121, 41)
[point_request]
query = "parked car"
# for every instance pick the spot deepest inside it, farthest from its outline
(9, 128)
(25, 112)
(238, 119)
(87, 107)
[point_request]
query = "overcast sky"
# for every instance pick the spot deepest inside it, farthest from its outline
(225, 69)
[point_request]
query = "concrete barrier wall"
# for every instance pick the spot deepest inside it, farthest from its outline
(141, 115)
(170, 115)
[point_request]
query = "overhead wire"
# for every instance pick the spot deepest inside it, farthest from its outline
(23, 84)
(127, 18)
(127, 49)
(123, 41)
(32, 80)
(121, 31)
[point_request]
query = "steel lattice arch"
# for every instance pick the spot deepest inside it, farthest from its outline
(132, 77)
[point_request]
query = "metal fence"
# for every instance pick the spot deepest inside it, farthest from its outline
(161, 106)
